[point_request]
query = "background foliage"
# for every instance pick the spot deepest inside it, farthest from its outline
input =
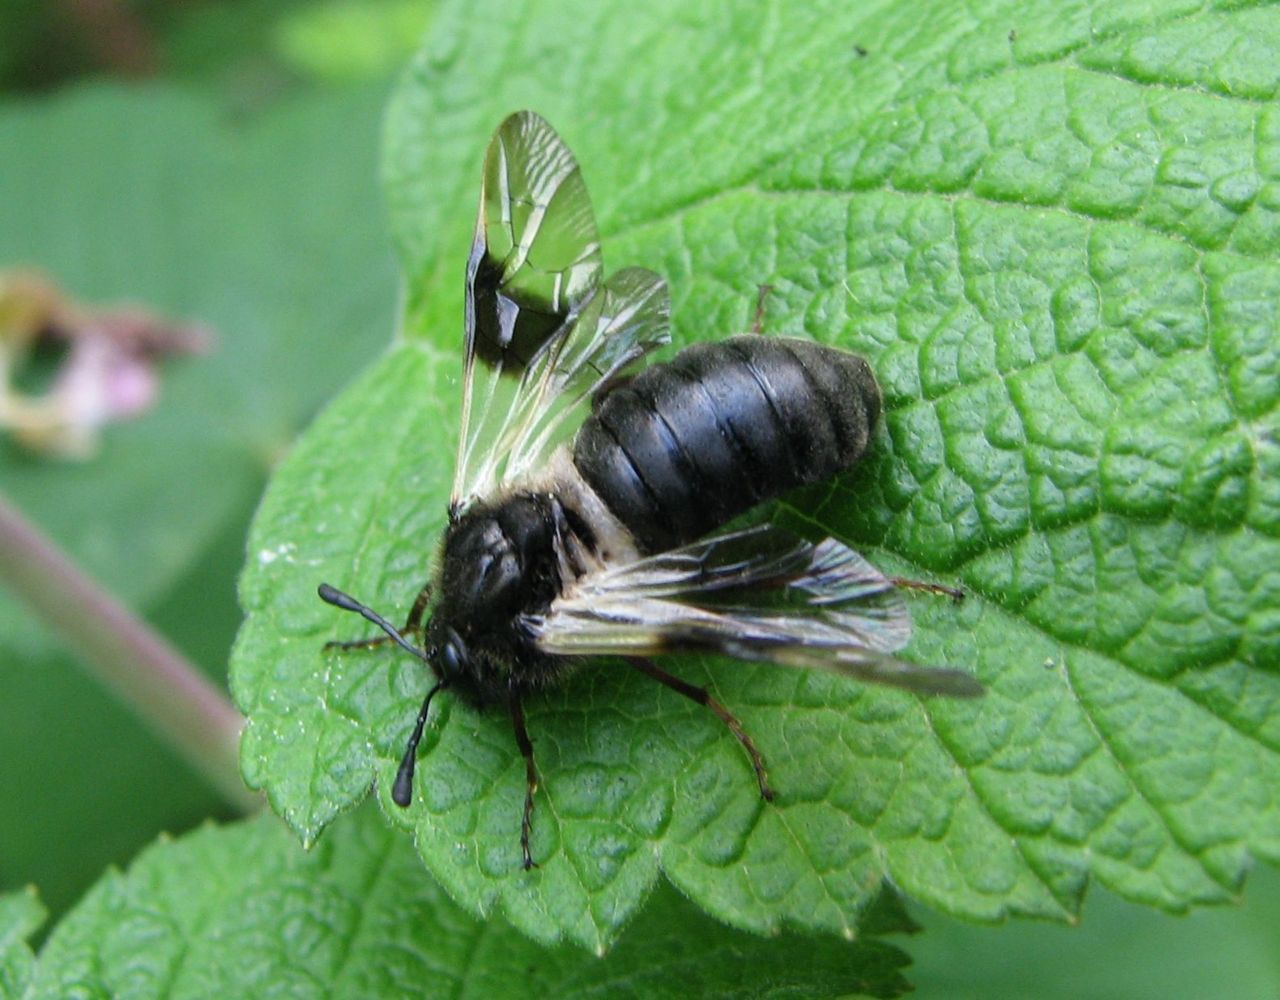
(1081, 202)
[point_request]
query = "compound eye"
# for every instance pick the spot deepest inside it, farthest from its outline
(453, 656)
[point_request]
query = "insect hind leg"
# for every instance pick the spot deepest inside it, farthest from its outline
(924, 586)
(703, 697)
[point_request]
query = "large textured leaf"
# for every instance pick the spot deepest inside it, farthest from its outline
(1053, 230)
(20, 915)
(263, 226)
(360, 918)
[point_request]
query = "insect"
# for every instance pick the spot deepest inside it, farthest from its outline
(612, 542)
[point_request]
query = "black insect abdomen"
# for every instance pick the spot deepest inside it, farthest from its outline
(692, 443)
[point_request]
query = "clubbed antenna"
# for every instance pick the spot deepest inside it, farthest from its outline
(331, 595)
(402, 788)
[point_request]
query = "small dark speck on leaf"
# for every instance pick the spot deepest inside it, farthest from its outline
(1013, 34)
(862, 53)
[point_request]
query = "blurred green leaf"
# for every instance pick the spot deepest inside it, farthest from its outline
(256, 48)
(269, 230)
(347, 40)
(1055, 235)
(228, 43)
(36, 49)
(1118, 950)
(20, 915)
(359, 918)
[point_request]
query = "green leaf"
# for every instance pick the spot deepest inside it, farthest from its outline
(266, 229)
(341, 40)
(1055, 236)
(20, 916)
(359, 917)
(1119, 950)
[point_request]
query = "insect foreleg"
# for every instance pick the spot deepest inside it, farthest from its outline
(412, 625)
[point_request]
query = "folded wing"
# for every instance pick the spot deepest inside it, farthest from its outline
(758, 594)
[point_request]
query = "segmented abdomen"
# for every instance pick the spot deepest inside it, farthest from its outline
(691, 443)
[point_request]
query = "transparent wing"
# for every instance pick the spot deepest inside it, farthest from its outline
(758, 594)
(624, 320)
(542, 332)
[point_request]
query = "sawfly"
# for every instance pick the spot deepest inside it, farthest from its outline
(610, 541)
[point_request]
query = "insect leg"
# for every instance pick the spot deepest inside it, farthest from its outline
(530, 776)
(412, 625)
(762, 293)
(928, 588)
(331, 595)
(703, 697)
(374, 643)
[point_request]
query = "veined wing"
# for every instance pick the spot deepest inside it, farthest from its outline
(758, 594)
(542, 332)
(622, 321)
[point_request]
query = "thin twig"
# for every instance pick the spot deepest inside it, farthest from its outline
(125, 654)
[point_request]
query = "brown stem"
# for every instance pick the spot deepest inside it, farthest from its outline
(114, 34)
(125, 654)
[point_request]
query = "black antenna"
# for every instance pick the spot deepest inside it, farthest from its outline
(402, 789)
(338, 599)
